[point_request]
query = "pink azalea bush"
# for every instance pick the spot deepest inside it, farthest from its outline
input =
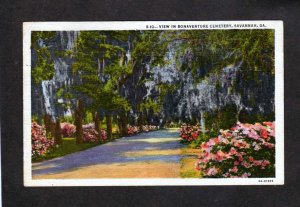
(189, 133)
(247, 150)
(67, 129)
(40, 145)
(131, 130)
(91, 135)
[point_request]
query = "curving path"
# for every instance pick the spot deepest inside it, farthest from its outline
(153, 154)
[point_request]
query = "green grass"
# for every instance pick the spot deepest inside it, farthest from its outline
(187, 163)
(68, 146)
(187, 168)
(189, 174)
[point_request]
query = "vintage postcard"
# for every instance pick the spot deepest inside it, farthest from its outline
(153, 103)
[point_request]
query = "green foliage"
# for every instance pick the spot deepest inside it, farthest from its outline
(100, 65)
(88, 117)
(212, 50)
(41, 35)
(150, 104)
(35, 118)
(165, 89)
(223, 118)
(201, 138)
(68, 119)
(149, 46)
(44, 67)
(255, 118)
(173, 125)
(59, 93)
(65, 94)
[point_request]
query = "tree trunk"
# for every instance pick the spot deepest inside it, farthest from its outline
(141, 121)
(52, 128)
(120, 130)
(47, 122)
(78, 121)
(238, 114)
(109, 126)
(124, 124)
(202, 122)
(57, 137)
(97, 124)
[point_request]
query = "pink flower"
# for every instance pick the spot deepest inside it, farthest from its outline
(257, 162)
(246, 164)
(269, 145)
(257, 147)
(245, 175)
(265, 163)
(220, 155)
(232, 151)
(67, 129)
(241, 144)
(240, 158)
(264, 133)
(189, 133)
(40, 144)
(212, 171)
(226, 175)
(194, 135)
(236, 163)
(238, 140)
(270, 124)
(253, 134)
(198, 166)
(205, 146)
(234, 169)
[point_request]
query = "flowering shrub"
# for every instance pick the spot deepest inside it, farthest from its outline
(147, 128)
(131, 130)
(189, 133)
(67, 129)
(247, 150)
(103, 135)
(40, 145)
(91, 135)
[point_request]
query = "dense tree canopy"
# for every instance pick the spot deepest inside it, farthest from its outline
(103, 68)
(44, 66)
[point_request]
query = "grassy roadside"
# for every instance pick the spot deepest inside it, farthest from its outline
(69, 146)
(187, 163)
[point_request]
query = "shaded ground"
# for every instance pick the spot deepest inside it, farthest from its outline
(154, 154)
